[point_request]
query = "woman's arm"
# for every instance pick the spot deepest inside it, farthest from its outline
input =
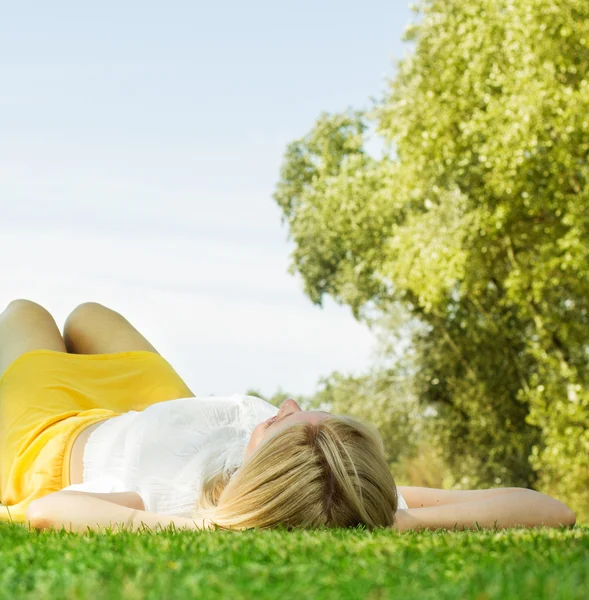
(128, 499)
(419, 497)
(79, 511)
(517, 508)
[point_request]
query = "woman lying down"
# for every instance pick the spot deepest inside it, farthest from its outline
(98, 431)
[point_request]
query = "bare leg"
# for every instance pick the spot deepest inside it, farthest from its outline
(95, 329)
(25, 326)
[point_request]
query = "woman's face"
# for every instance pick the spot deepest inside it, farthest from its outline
(289, 414)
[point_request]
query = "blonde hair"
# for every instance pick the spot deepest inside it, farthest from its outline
(332, 474)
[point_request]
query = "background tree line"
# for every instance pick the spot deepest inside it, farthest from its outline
(466, 244)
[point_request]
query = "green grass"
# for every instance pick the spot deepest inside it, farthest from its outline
(336, 564)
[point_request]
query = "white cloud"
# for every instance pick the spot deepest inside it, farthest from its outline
(225, 314)
(137, 170)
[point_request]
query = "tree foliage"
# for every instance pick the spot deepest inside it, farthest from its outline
(476, 222)
(382, 398)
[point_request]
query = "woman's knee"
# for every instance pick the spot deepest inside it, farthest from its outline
(25, 326)
(87, 311)
(87, 308)
(22, 305)
(92, 328)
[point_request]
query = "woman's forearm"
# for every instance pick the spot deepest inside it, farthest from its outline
(522, 508)
(418, 497)
(79, 513)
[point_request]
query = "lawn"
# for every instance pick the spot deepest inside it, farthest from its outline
(336, 564)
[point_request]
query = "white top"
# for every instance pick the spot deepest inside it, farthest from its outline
(166, 452)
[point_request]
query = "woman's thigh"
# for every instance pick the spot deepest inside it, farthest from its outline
(26, 326)
(95, 329)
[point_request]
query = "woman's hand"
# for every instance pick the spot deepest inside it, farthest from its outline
(515, 507)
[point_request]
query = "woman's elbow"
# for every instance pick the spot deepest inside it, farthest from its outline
(556, 513)
(37, 516)
(560, 515)
(563, 515)
(567, 518)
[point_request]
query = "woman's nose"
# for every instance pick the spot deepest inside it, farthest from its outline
(289, 405)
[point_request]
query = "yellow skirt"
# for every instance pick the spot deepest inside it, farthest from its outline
(47, 398)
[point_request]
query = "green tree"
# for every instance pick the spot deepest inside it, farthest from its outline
(476, 223)
(382, 398)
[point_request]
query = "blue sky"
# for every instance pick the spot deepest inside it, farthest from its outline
(140, 143)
